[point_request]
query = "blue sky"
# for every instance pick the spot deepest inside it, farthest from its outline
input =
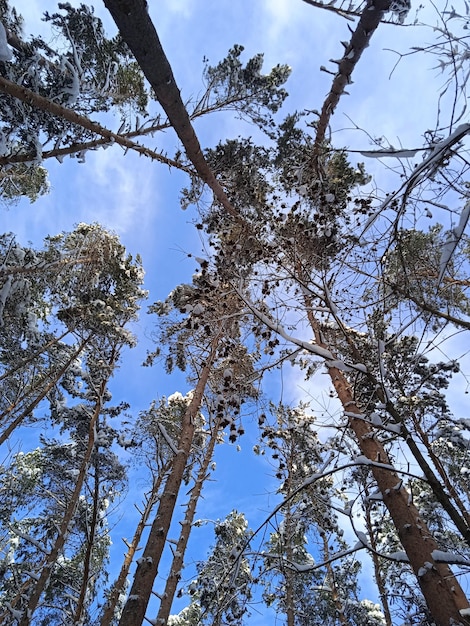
(139, 199)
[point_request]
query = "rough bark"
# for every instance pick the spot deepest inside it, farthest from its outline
(367, 25)
(379, 579)
(63, 530)
(441, 590)
(30, 408)
(120, 584)
(138, 31)
(338, 604)
(35, 355)
(134, 610)
(288, 573)
(457, 514)
(178, 558)
(87, 565)
(41, 269)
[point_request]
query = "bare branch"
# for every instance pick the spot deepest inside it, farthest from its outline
(34, 99)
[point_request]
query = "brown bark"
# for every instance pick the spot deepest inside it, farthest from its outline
(441, 590)
(457, 514)
(34, 355)
(138, 31)
(120, 584)
(446, 481)
(379, 579)
(92, 532)
(134, 610)
(368, 23)
(287, 571)
(59, 153)
(460, 519)
(332, 583)
(178, 558)
(35, 100)
(40, 269)
(430, 309)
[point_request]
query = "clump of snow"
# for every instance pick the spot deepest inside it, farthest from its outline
(5, 52)
(399, 556)
(198, 309)
(423, 570)
(449, 557)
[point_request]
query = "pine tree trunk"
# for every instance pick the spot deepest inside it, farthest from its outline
(137, 30)
(35, 355)
(87, 561)
(33, 99)
(178, 559)
(441, 590)
(338, 604)
(458, 514)
(446, 481)
(366, 26)
(30, 408)
(119, 586)
(287, 572)
(379, 579)
(134, 610)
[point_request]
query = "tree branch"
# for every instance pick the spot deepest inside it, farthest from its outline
(137, 30)
(35, 100)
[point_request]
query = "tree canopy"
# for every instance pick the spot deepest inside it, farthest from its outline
(336, 273)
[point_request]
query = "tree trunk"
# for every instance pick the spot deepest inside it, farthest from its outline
(379, 579)
(35, 355)
(446, 481)
(290, 524)
(134, 610)
(441, 590)
(138, 31)
(178, 558)
(34, 99)
(87, 561)
(458, 515)
(61, 538)
(368, 23)
(119, 586)
(338, 604)
(30, 408)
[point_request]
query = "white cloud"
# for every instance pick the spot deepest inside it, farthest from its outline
(119, 193)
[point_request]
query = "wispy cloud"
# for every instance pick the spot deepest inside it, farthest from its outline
(120, 192)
